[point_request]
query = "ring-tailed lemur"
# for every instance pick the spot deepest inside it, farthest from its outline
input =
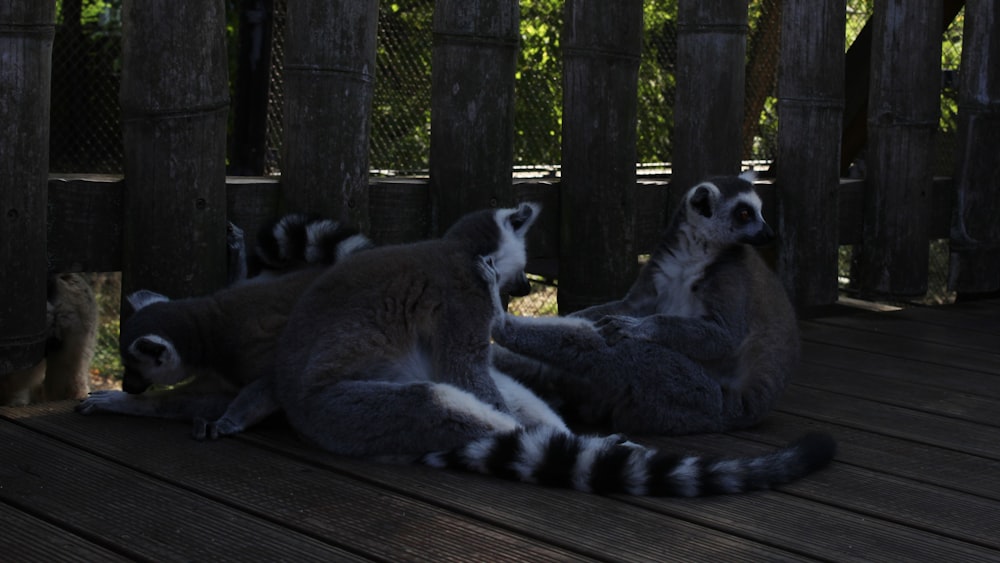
(64, 372)
(387, 356)
(704, 341)
(213, 353)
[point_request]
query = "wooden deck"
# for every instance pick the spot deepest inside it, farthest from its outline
(912, 396)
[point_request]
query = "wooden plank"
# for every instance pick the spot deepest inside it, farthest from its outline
(473, 62)
(175, 104)
(793, 523)
(601, 44)
(912, 503)
(958, 338)
(903, 423)
(152, 520)
(329, 84)
(893, 370)
(26, 32)
(811, 105)
(27, 538)
(930, 399)
(975, 244)
(899, 347)
(872, 449)
(331, 506)
(572, 520)
(904, 106)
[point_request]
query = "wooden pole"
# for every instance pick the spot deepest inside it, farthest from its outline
(903, 111)
(26, 31)
(708, 107)
(975, 239)
(329, 79)
(810, 105)
(472, 107)
(601, 45)
(175, 100)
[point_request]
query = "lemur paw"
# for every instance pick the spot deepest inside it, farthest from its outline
(213, 429)
(615, 328)
(102, 401)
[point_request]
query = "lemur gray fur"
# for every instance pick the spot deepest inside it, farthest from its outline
(64, 372)
(206, 356)
(704, 341)
(387, 356)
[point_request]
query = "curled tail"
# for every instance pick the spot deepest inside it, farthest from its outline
(606, 465)
(300, 239)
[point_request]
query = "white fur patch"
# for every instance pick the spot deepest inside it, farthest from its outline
(728, 475)
(352, 244)
(529, 409)
(455, 400)
(510, 257)
(167, 369)
(685, 476)
(145, 298)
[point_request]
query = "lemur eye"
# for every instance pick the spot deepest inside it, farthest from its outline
(744, 215)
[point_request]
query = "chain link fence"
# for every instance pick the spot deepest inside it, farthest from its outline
(86, 132)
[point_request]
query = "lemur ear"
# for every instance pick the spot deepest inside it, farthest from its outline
(748, 176)
(145, 298)
(701, 200)
(524, 216)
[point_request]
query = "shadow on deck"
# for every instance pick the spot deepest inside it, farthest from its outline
(912, 396)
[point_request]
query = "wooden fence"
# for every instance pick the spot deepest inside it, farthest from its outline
(164, 224)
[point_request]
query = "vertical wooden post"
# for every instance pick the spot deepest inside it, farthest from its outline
(26, 31)
(601, 46)
(810, 105)
(249, 139)
(175, 100)
(903, 110)
(329, 79)
(708, 107)
(975, 239)
(472, 107)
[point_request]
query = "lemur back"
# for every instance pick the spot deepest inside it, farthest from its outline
(387, 356)
(704, 341)
(219, 347)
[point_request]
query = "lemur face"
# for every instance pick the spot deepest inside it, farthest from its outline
(510, 257)
(728, 211)
(151, 359)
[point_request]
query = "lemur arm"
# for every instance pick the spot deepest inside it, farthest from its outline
(568, 342)
(704, 339)
(252, 404)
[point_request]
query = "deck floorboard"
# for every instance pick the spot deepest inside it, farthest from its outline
(912, 397)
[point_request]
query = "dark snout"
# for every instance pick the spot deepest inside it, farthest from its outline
(133, 382)
(764, 235)
(517, 287)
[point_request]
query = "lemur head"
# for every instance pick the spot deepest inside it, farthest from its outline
(500, 234)
(726, 210)
(149, 357)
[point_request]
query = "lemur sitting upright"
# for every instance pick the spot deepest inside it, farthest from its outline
(213, 353)
(704, 341)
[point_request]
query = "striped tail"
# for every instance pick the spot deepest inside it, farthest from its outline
(606, 465)
(298, 239)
